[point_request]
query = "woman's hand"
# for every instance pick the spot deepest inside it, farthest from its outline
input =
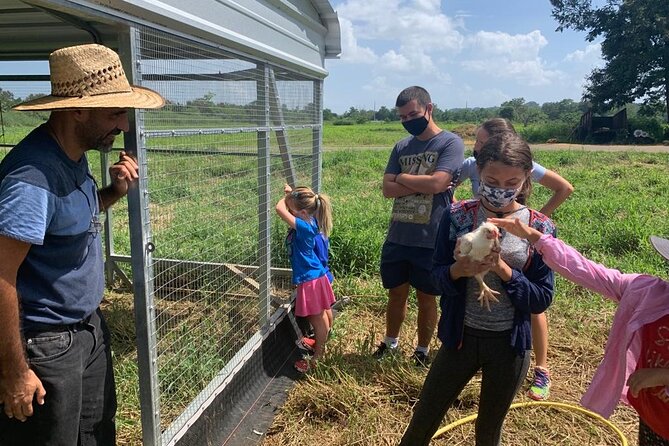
(644, 378)
(287, 189)
(517, 228)
(466, 267)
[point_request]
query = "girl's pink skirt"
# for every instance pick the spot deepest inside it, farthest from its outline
(313, 297)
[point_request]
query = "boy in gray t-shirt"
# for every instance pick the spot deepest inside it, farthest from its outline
(418, 175)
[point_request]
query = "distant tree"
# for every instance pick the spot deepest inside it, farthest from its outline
(507, 113)
(520, 111)
(566, 110)
(384, 114)
(635, 49)
(328, 115)
(532, 115)
(352, 112)
(205, 104)
(7, 99)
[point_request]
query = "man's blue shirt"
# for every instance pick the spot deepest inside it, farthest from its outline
(50, 201)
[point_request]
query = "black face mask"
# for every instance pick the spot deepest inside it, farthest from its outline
(416, 126)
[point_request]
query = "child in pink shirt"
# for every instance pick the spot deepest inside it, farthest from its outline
(635, 368)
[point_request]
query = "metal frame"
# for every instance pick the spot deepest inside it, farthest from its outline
(145, 266)
(141, 248)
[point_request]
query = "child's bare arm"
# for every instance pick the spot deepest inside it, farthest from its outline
(517, 228)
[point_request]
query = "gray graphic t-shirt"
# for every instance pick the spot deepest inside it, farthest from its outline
(415, 218)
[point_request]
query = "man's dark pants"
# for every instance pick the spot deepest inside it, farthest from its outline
(74, 364)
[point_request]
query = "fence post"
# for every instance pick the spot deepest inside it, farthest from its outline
(317, 137)
(140, 252)
(264, 197)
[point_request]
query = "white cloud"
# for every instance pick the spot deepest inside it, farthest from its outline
(416, 62)
(590, 53)
(350, 50)
(515, 57)
(412, 34)
(516, 46)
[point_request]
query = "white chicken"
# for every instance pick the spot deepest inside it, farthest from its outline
(477, 245)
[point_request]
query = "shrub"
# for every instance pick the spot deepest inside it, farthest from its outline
(540, 133)
(465, 131)
(343, 121)
(655, 129)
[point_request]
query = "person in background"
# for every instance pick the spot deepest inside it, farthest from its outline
(562, 189)
(635, 368)
(56, 376)
(417, 177)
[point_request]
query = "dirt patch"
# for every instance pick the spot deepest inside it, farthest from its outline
(601, 148)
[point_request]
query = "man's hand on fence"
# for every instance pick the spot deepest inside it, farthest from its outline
(123, 173)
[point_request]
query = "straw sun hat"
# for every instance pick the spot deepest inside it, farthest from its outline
(90, 76)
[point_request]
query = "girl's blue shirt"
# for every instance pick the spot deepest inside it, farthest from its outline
(303, 259)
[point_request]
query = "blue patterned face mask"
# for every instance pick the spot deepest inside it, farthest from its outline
(498, 197)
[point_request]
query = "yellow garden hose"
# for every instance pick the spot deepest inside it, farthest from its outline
(563, 406)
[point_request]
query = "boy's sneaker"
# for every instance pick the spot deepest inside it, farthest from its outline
(302, 365)
(421, 359)
(308, 344)
(541, 385)
(382, 350)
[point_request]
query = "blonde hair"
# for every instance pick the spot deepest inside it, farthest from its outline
(317, 205)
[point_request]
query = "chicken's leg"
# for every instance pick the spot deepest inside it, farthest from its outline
(487, 294)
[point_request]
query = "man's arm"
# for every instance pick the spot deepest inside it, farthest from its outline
(18, 384)
(392, 189)
(435, 183)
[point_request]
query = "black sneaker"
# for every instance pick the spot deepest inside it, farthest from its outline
(382, 350)
(421, 359)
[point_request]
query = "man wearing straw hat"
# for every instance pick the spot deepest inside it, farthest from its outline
(56, 378)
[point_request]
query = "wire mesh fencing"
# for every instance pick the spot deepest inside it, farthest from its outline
(199, 240)
(233, 132)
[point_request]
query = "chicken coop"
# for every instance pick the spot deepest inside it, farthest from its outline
(197, 244)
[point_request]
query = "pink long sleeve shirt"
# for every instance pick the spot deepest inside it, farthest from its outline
(642, 300)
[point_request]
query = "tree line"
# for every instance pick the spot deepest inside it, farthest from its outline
(516, 110)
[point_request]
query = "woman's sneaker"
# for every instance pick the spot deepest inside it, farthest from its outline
(541, 385)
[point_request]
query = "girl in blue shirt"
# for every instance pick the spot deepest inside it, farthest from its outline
(308, 214)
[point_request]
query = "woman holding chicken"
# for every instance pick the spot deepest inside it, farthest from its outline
(491, 335)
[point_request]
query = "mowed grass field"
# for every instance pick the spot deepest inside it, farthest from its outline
(351, 399)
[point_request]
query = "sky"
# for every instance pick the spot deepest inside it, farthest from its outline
(466, 53)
